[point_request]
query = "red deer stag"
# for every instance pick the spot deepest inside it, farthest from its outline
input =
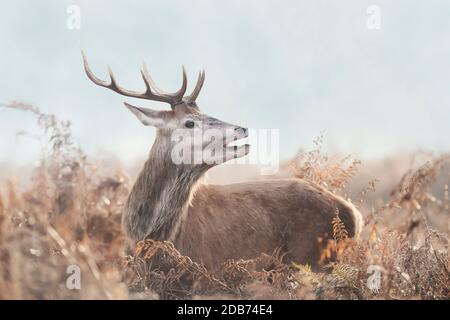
(213, 223)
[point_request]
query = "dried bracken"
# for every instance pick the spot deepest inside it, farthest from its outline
(69, 214)
(317, 168)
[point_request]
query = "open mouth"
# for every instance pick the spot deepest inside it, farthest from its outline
(237, 145)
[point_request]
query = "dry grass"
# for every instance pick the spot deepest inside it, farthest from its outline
(70, 215)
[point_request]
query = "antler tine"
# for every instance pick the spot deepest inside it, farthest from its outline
(150, 86)
(198, 87)
(148, 94)
(113, 83)
(177, 96)
(180, 93)
(90, 74)
(149, 81)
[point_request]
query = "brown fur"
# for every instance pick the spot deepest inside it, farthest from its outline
(290, 214)
(214, 223)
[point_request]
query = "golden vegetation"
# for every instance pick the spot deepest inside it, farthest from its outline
(70, 212)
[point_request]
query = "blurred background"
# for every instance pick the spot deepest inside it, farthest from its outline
(302, 67)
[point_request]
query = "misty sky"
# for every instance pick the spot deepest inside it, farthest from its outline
(299, 66)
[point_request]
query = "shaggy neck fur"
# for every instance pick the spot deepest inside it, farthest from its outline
(160, 197)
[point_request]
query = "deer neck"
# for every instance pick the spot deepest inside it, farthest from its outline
(159, 200)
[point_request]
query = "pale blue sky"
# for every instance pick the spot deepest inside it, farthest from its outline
(300, 66)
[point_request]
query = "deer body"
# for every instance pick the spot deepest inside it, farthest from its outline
(212, 223)
(241, 221)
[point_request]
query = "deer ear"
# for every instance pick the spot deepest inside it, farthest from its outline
(149, 117)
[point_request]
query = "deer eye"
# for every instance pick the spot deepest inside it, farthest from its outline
(189, 124)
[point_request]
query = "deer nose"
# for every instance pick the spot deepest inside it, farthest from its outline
(241, 130)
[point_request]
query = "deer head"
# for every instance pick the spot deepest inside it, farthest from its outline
(191, 136)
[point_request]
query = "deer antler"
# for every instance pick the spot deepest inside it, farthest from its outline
(201, 79)
(152, 92)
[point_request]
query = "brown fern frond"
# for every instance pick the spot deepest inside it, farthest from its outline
(344, 275)
(340, 233)
(304, 272)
